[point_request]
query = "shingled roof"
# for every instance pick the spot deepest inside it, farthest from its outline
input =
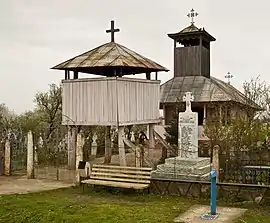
(105, 58)
(203, 89)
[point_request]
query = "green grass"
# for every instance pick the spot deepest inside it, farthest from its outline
(71, 205)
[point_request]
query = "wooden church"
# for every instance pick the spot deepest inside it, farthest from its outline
(192, 49)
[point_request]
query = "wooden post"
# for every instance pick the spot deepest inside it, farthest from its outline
(108, 148)
(121, 146)
(204, 113)
(79, 154)
(30, 156)
(76, 74)
(7, 165)
(72, 131)
(151, 137)
(79, 149)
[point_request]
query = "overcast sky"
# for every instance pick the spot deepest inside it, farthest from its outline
(36, 35)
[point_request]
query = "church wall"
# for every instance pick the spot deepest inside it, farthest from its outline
(192, 61)
(187, 61)
(205, 62)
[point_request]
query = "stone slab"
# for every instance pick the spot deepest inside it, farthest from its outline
(226, 214)
(188, 135)
(184, 169)
(200, 161)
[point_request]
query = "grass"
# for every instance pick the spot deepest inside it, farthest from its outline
(71, 205)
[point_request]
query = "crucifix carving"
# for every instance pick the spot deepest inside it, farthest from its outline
(229, 76)
(192, 15)
(188, 98)
(112, 31)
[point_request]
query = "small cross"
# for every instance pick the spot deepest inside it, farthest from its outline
(112, 31)
(229, 76)
(188, 98)
(192, 15)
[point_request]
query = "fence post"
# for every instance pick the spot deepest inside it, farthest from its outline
(121, 146)
(7, 166)
(108, 148)
(30, 156)
(79, 154)
(72, 131)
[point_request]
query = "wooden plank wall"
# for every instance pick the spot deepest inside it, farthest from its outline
(192, 61)
(97, 101)
(205, 62)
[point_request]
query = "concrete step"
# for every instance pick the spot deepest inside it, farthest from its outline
(179, 161)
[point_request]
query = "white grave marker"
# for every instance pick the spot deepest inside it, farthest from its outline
(188, 130)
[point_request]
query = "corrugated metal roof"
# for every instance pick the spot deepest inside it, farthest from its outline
(203, 89)
(108, 56)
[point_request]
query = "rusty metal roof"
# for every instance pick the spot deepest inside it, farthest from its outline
(204, 90)
(109, 58)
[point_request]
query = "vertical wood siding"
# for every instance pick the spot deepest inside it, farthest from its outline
(105, 101)
(192, 61)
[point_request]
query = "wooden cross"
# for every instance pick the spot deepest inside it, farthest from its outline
(229, 76)
(192, 15)
(188, 98)
(112, 31)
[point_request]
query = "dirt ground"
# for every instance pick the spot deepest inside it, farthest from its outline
(22, 185)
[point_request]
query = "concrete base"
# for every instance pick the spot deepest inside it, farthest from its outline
(184, 169)
(225, 214)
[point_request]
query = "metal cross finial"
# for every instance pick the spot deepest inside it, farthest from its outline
(229, 76)
(112, 31)
(192, 15)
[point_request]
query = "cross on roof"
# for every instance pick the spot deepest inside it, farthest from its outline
(192, 15)
(112, 31)
(188, 98)
(229, 76)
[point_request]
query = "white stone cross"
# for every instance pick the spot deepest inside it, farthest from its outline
(94, 138)
(188, 98)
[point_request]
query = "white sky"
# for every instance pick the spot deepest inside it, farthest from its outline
(36, 35)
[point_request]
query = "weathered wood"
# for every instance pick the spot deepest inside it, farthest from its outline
(121, 171)
(116, 184)
(71, 145)
(192, 61)
(120, 167)
(110, 101)
(118, 176)
(121, 180)
(108, 148)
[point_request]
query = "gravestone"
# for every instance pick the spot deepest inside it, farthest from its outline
(94, 145)
(187, 165)
(188, 131)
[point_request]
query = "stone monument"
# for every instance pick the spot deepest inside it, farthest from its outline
(187, 165)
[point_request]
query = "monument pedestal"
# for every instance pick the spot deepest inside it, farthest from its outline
(184, 169)
(187, 165)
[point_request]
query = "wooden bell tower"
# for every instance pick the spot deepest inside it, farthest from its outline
(192, 50)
